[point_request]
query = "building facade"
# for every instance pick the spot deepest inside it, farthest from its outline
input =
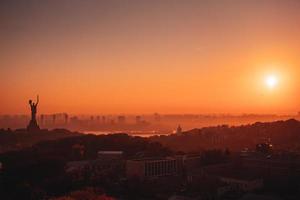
(154, 167)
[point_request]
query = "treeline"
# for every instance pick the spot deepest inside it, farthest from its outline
(38, 171)
(21, 138)
(284, 135)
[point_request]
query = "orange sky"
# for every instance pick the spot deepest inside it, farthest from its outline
(93, 57)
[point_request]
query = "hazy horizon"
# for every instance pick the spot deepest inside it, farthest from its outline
(152, 113)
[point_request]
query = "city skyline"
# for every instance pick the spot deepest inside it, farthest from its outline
(149, 99)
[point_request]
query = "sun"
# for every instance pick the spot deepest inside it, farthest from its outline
(271, 81)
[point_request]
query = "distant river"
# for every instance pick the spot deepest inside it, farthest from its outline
(132, 133)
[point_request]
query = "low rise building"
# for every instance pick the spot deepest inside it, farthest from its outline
(272, 165)
(242, 184)
(154, 167)
(108, 162)
(236, 180)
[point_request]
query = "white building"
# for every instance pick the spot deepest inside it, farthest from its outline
(154, 167)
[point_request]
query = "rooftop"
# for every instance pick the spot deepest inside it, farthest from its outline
(110, 152)
(154, 159)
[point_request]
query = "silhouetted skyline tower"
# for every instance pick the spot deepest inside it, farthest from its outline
(138, 119)
(121, 119)
(42, 117)
(157, 117)
(53, 119)
(66, 118)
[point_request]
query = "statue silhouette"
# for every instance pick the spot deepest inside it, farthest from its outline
(33, 126)
(33, 107)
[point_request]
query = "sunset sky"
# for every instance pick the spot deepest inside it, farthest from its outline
(168, 56)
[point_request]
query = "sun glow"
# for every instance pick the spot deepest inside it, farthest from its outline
(271, 81)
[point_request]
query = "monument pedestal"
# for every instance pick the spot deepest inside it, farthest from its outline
(33, 126)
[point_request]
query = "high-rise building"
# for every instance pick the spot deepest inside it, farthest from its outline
(103, 119)
(53, 118)
(42, 117)
(121, 119)
(66, 118)
(156, 117)
(138, 119)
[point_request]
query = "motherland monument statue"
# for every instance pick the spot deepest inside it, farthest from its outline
(33, 126)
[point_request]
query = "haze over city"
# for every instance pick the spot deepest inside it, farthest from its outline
(150, 100)
(111, 57)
